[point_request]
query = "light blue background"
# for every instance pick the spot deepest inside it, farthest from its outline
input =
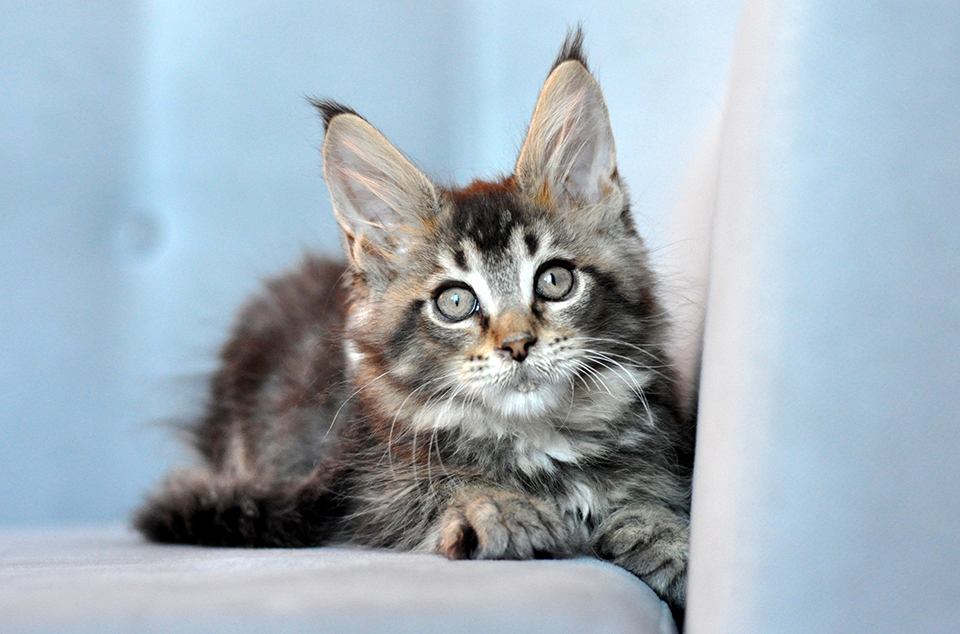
(157, 159)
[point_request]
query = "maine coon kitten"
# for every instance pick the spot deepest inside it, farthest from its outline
(486, 377)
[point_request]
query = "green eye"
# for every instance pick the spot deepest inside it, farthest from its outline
(456, 303)
(554, 282)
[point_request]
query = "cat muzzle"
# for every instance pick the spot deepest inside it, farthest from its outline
(518, 347)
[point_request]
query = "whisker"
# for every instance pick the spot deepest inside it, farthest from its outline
(638, 389)
(393, 424)
(615, 366)
(573, 396)
(595, 376)
(660, 362)
(347, 400)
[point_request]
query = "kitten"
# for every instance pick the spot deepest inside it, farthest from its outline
(486, 377)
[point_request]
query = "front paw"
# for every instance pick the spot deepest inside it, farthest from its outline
(502, 525)
(652, 543)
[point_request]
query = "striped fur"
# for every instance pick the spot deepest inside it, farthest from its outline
(350, 409)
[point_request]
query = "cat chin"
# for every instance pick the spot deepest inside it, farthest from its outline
(526, 399)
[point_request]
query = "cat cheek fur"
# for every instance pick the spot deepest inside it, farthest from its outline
(346, 410)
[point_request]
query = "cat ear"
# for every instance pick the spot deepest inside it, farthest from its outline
(568, 158)
(380, 199)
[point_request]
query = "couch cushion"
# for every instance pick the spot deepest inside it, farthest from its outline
(108, 579)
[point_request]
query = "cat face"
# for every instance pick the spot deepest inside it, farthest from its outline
(507, 316)
(502, 306)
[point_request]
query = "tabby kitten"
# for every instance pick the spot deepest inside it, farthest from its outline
(485, 378)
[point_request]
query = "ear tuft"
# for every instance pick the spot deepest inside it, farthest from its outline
(572, 49)
(329, 108)
(568, 159)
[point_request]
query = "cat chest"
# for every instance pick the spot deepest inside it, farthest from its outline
(582, 502)
(555, 467)
(577, 491)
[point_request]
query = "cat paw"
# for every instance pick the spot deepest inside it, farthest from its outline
(503, 525)
(652, 543)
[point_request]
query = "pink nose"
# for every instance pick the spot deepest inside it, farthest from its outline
(518, 347)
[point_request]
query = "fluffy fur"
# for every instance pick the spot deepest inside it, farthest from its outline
(349, 408)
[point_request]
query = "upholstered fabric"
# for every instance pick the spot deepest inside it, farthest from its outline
(108, 579)
(818, 232)
(827, 487)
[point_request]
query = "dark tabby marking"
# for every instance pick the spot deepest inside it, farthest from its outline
(485, 378)
(532, 243)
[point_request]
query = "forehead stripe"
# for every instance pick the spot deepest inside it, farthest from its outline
(532, 243)
(460, 258)
(487, 219)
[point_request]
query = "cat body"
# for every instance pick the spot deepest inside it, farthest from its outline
(485, 378)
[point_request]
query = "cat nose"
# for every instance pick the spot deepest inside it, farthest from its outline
(518, 347)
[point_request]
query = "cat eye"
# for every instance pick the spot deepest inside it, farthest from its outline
(456, 303)
(554, 282)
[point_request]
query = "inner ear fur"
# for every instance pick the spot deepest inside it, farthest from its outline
(569, 159)
(379, 198)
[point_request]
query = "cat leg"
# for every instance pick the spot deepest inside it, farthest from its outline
(652, 542)
(198, 506)
(496, 524)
